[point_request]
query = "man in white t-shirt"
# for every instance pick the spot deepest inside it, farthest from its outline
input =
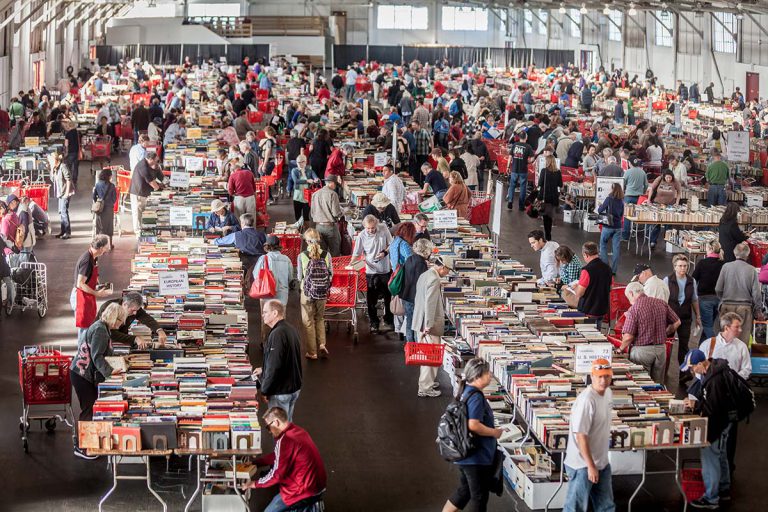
(586, 457)
(652, 285)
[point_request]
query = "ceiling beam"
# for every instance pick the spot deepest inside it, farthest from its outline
(757, 23)
(691, 24)
(661, 22)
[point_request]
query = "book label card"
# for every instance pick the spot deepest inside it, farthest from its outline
(174, 283)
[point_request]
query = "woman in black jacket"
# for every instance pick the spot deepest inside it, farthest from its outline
(321, 150)
(550, 183)
(414, 266)
(457, 164)
(575, 153)
(730, 233)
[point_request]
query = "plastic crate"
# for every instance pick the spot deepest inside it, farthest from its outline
(262, 94)
(619, 304)
(343, 292)
(308, 193)
(757, 250)
(44, 377)
(692, 482)
(290, 246)
(255, 116)
(424, 354)
(39, 193)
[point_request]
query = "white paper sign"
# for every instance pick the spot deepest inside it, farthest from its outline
(588, 352)
(445, 219)
(174, 283)
(498, 201)
(678, 115)
(737, 146)
(193, 163)
(179, 179)
(181, 216)
(379, 159)
(603, 187)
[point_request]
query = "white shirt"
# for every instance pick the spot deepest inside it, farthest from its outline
(548, 263)
(173, 133)
(153, 132)
(136, 155)
(735, 352)
(681, 174)
(590, 415)
(654, 154)
(395, 190)
(656, 288)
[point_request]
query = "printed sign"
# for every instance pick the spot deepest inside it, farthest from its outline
(498, 201)
(379, 159)
(194, 133)
(205, 120)
(193, 163)
(31, 141)
(445, 219)
(179, 179)
(174, 283)
(737, 146)
(585, 353)
(603, 187)
(181, 216)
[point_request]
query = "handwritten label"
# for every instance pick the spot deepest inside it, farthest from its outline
(445, 219)
(194, 133)
(179, 179)
(380, 159)
(586, 353)
(205, 120)
(181, 216)
(174, 283)
(31, 141)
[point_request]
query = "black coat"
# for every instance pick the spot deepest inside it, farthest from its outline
(389, 216)
(413, 267)
(730, 236)
(713, 398)
(550, 184)
(281, 372)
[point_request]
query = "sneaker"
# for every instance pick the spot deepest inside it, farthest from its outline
(323, 351)
(270, 202)
(435, 385)
(703, 503)
(510, 206)
(432, 393)
(387, 327)
(80, 453)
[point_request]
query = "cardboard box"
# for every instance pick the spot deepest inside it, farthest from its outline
(590, 226)
(673, 249)
(537, 494)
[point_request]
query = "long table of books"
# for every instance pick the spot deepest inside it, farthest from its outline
(195, 396)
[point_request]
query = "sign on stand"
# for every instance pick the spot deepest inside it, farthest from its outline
(193, 163)
(603, 187)
(445, 219)
(586, 353)
(181, 216)
(498, 202)
(380, 159)
(737, 147)
(174, 283)
(179, 179)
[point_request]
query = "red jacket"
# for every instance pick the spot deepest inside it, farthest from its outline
(336, 166)
(296, 466)
(323, 94)
(241, 183)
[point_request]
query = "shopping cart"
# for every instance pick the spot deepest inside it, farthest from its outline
(37, 192)
(100, 148)
(479, 213)
(44, 381)
(123, 185)
(290, 244)
(30, 281)
(342, 299)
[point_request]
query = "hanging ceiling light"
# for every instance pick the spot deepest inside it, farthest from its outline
(632, 10)
(583, 9)
(562, 9)
(607, 10)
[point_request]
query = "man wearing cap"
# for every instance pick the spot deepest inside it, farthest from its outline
(649, 322)
(586, 456)
(709, 395)
(373, 246)
(635, 185)
(429, 321)
(717, 177)
(652, 285)
(241, 185)
(326, 212)
(393, 187)
(221, 220)
(739, 290)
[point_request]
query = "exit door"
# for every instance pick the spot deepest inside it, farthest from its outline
(586, 60)
(753, 86)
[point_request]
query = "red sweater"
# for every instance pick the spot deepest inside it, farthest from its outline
(335, 164)
(296, 466)
(323, 94)
(241, 183)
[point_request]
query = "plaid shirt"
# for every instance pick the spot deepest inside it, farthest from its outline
(422, 142)
(570, 272)
(647, 320)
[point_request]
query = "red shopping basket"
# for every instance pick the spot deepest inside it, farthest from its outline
(424, 354)
(262, 94)
(308, 193)
(255, 116)
(44, 376)
(619, 303)
(757, 250)
(691, 481)
(479, 209)
(290, 245)
(343, 292)
(37, 192)
(101, 148)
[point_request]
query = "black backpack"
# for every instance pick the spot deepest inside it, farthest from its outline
(741, 395)
(454, 440)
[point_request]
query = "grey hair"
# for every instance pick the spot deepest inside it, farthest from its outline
(426, 166)
(246, 220)
(476, 368)
(726, 319)
(294, 133)
(133, 298)
(99, 242)
(423, 247)
(633, 288)
(370, 220)
(741, 251)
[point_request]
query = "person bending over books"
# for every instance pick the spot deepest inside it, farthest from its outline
(133, 307)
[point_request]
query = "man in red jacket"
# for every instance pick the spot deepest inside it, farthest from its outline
(296, 468)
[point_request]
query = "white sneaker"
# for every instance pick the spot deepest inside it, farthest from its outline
(431, 393)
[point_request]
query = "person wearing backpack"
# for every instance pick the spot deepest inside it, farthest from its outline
(722, 396)
(477, 466)
(314, 272)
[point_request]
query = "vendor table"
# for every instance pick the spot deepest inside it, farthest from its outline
(114, 458)
(201, 454)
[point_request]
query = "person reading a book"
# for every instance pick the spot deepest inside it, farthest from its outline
(133, 306)
(221, 220)
(90, 365)
(296, 466)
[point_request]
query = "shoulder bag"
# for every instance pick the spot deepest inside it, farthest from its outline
(264, 285)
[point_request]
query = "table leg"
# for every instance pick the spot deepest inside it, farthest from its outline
(149, 486)
(677, 479)
(199, 485)
(113, 462)
(234, 484)
(642, 480)
(562, 473)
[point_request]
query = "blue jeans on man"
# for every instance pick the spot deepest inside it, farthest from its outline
(628, 224)
(285, 402)
(708, 305)
(278, 505)
(66, 227)
(714, 468)
(581, 491)
(613, 234)
(516, 179)
(716, 195)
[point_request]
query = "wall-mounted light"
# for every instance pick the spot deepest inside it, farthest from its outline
(562, 9)
(607, 10)
(632, 10)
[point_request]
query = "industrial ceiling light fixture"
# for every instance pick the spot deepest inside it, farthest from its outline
(562, 9)
(632, 10)
(607, 10)
(583, 9)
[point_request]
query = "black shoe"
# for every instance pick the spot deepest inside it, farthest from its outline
(374, 329)
(59, 235)
(510, 206)
(702, 503)
(724, 495)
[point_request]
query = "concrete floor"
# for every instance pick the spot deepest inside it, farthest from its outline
(375, 435)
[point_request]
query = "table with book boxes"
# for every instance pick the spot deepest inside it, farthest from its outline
(194, 397)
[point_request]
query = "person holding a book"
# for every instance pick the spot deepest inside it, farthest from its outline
(133, 306)
(221, 220)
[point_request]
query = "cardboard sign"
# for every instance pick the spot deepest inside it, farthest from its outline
(498, 202)
(31, 141)
(174, 283)
(193, 163)
(179, 179)
(603, 187)
(194, 133)
(737, 146)
(181, 216)
(205, 120)
(196, 95)
(585, 353)
(379, 159)
(445, 219)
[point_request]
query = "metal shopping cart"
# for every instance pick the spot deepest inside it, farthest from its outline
(30, 281)
(290, 244)
(100, 150)
(479, 213)
(342, 299)
(44, 381)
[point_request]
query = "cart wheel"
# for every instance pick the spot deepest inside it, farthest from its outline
(42, 309)
(354, 338)
(50, 424)
(21, 427)
(8, 307)
(26, 446)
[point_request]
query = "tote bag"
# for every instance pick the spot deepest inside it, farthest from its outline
(264, 286)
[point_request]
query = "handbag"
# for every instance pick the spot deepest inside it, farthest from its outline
(396, 306)
(264, 286)
(395, 283)
(97, 206)
(605, 219)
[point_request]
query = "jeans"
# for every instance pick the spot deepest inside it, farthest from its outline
(350, 92)
(278, 505)
(716, 195)
(410, 335)
(474, 487)
(10, 289)
(66, 227)
(378, 288)
(516, 179)
(581, 491)
(714, 468)
(628, 224)
(655, 230)
(708, 305)
(285, 402)
(614, 236)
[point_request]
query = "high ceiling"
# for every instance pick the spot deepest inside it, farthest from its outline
(745, 6)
